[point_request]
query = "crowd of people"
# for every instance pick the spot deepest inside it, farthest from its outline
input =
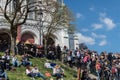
(10, 62)
(106, 66)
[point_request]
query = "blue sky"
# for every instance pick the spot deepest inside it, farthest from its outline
(98, 23)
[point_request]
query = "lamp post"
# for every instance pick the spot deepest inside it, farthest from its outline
(40, 24)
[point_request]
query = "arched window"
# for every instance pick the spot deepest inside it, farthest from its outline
(5, 41)
(27, 37)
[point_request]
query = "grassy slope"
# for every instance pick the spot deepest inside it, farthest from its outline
(19, 74)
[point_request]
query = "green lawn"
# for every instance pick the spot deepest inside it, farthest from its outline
(19, 74)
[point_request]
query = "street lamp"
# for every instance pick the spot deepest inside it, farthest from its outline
(40, 24)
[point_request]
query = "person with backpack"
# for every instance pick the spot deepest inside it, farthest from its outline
(85, 75)
(98, 69)
(114, 72)
(107, 73)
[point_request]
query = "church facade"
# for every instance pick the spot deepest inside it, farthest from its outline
(29, 34)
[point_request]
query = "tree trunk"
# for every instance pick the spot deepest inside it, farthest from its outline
(45, 47)
(13, 45)
(13, 29)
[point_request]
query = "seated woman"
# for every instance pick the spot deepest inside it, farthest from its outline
(37, 73)
(58, 72)
(15, 61)
(25, 60)
(29, 72)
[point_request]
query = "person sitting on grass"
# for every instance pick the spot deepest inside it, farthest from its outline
(3, 74)
(58, 72)
(49, 64)
(15, 61)
(37, 73)
(29, 72)
(25, 60)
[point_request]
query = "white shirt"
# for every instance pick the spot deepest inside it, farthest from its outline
(28, 71)
(14, 58)
(47, 65)
(78, 54)
(35, 70)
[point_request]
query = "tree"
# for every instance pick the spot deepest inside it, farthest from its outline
(56, 16)
(17, 16)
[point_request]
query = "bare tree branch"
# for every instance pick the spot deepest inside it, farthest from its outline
(17, 16)
(5, 9)
(1, 9)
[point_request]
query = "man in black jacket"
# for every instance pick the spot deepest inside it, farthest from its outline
(58, 49)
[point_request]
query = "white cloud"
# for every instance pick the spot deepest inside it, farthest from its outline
(102, 14)
(97, 26)
(78, 15)
(100, 36)
(84, 30)
(94, 35)
(103, 43)
(85, 39)
(92, 8)
(109, 22)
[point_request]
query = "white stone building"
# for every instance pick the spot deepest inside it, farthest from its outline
(28, 32)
